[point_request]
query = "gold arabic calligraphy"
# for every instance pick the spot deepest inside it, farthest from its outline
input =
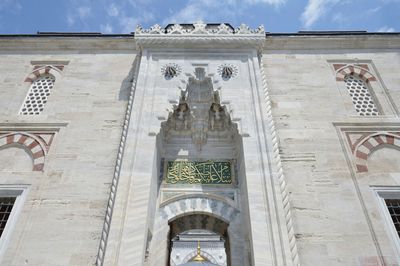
(209, 172)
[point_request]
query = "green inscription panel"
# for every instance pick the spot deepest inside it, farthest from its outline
(209, 172)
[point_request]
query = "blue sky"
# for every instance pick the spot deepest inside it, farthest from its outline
(122, 16)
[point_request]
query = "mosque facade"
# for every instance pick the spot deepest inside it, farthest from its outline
(200, 144)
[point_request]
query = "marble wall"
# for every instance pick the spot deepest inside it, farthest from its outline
(311, 173)
(336, 214)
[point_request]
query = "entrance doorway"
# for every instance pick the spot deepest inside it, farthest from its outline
(202, 232)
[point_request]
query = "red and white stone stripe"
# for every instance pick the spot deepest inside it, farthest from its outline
(37, 72)
(38, 153)
(351, 69)
(363, 150)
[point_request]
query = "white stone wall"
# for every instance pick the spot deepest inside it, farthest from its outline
(62, 217)
(336, 214)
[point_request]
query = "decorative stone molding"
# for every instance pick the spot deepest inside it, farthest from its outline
(361, 70)
(227, 71)
(37, 143)
(171, 70)
(227, 194)
(198, 204)
(362, 144)
(281, 176)
(200, 28)
(200, 34)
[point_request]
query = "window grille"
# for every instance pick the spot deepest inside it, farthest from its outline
(361, 97)
(393, 206)
(6, 205)
(37, 96)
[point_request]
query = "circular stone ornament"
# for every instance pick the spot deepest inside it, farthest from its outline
(227, 71)
(171, 70)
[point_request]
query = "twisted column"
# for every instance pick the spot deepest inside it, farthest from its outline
(117, 171)
(278, 163)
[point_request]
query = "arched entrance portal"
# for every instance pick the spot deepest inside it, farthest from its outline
(198, 212)
(189, 232)
(201, 182)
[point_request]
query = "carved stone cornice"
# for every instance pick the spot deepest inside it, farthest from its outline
(200, 34)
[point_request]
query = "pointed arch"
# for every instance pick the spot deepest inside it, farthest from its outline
(370, 144)
(39, 71)
(36, 149)
(42, 81)
(351, 69)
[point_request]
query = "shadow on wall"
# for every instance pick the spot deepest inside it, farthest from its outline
(127, 83)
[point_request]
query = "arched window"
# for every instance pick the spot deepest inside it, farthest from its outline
(37, 95)
(360, 95)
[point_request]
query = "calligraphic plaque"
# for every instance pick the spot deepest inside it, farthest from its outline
(208, 172)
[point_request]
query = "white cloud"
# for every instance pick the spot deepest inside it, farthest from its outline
(78, 13)
(386, 29)
(314, 10)
(191, 12)
(140, 3)
(5, 3)
(198, 10)
(269, 2)
(146, 16)
(126, 15)
(373, 10)
(128, 24)
(211, 10)
(84, 12)
(113, 10)
(17, 7)
(11, 5)
(70, 20)
(338, 18)
(107, 28)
